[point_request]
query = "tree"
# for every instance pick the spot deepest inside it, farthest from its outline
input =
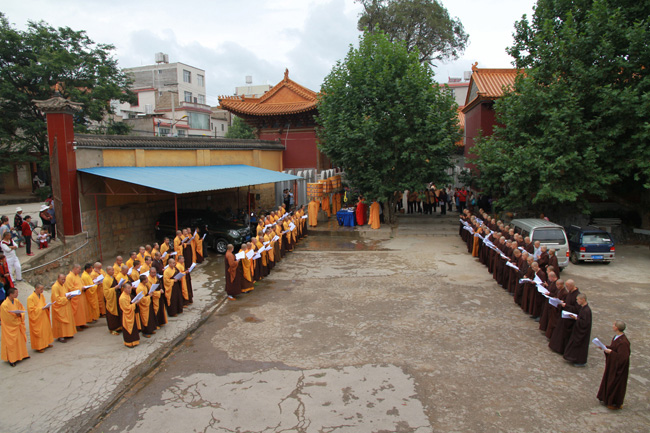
(385, 121)
(575, 125)
(240, 129)
(32, 63)
(422, 24)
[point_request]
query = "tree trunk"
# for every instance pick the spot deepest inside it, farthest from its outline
(389, 209)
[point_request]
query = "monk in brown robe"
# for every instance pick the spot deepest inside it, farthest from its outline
(617, 365)
(130, 323)
(233, 283)
(554, 312)
(552, 292)
(577, 348)
(562, 331)
(552, 261)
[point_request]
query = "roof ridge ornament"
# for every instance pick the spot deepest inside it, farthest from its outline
(286, 74)
(475, 67)
(58, 104)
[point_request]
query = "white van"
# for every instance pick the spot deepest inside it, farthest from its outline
(547, 233)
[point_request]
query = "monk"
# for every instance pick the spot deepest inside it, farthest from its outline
(374, 215)
(312, 209)
(158, 307)
(563, 328)
(142, 253)
(551, 286)
(117, 266)
(617, 366)
(62, 315)
(165, 250)
(13, 334)
(73, 283)
(577, 348)
(197, 244)
(361, 212)
(145, 307)
(554, 312)
(97, 271)
(173, 295)
(111, 294)
(178, 240)
(129, 320)
(325, 205)
(92, 305)
(233, 283)
(552, 261)
(40, 327)
(129, 262)
(186, 281)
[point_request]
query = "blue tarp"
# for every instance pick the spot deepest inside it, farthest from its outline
(183, 180)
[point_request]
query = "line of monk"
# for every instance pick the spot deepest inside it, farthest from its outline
(276, 234)
(530, 273)
(156, 275)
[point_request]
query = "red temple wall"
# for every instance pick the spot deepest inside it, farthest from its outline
(300, 148)
(481, 118)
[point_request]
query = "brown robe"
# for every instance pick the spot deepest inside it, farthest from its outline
(563, 328)
(233, 283)
(577, 349)
(554, 312)
(617, 365)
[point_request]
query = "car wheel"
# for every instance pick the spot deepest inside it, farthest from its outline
(221, 245)
(574, 258)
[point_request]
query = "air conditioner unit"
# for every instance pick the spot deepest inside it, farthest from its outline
(160, 57)
(166, 58)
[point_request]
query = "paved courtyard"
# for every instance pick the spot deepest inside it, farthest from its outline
(409, 334)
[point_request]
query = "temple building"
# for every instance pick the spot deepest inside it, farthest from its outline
(285, 114)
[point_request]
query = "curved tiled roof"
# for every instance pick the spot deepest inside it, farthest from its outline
(286, 97)
(489, 84)
(93, 141)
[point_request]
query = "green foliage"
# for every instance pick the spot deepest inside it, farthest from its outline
(43, 192)
(240, 129)
(577, 123)
(33, 62)
(424, 25)
(384, 119)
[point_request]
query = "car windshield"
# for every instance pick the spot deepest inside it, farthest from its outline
(596, 238)
(549, 236)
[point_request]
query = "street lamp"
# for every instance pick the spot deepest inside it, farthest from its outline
(174, 122)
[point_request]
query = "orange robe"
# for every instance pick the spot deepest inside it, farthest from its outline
(40, 327)
(181, 269)
(110, 295)
(92, 305)
(374, 215)
(73, 282)
(155, 298)
(165, 248)
(313, 213)
(14, 334)
(62, 316)
(100, 291)
(326, 205)
(144, 303)
(128, 316)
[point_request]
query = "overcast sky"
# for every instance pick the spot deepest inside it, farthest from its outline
(231, 39)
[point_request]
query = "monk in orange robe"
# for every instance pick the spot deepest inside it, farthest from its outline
(185, 284)
(113, 314)
(247, 281)
(165, 249)
(312, 209)
(173, 291)
(73, 283)
(62, 315)
(97, 271)
(117, 266)
(158, 307)
(145, 307)
(40, 327)
(129, 320)
(374, 215)
(13, 334)
(92, 305)
(325, 204)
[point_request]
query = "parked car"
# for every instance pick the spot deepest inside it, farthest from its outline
(547, 233)
(220, 230)
(590, 244)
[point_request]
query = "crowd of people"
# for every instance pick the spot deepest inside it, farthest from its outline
(529, 272)
(276, 235)
(135, 297)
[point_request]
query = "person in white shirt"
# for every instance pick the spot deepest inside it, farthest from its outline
(9, 248)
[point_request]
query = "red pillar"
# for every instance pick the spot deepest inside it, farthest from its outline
(63, 162)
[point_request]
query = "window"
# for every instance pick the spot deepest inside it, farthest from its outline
(200, 80)
(159, 71)
(199, 120)
(549, 236)
(160, 92)
(188, 96)
(163, 132)
(180, 132)
(201, 99)
(222, 126)
(187, 76)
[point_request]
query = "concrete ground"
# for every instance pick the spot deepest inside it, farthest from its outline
(410, 334)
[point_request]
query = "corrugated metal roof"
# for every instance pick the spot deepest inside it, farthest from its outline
(92, 141)
(183, 180)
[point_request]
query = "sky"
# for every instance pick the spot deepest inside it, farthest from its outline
(232, 39)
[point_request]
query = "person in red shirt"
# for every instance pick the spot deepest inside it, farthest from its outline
(27, 234)
(462, 199)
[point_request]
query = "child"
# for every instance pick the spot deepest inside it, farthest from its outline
(43, 237)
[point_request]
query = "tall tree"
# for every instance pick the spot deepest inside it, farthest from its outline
(385, 121)
(576, 123)
(422, 24)
(240, 129)
(32, 63)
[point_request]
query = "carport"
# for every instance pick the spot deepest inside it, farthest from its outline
(180, 180)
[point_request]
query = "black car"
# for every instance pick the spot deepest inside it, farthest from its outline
(590, 244)
(221, 231)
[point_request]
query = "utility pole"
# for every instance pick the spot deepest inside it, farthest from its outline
(173, 115)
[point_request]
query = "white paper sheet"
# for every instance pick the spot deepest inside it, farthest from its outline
(99, 279)
(179, 276)
(599, 343)
(137, 297)
(304, 217)
(146, 274)
(292, 226)
(204, 235)
(568, 315)
(73, 293)
(160, 276)
(275, 238)
(48, 305)
(164, 255)
(537, 280)
(166, 266)
(153, 288)
(192, 267)
(541, 289)
(173, 254)
(88, 287)
(513, 266)
(266, 243)
(17, 311)
(129, 271)
(250, 254)
(240, 255)
(257, 256)
(525, 280)
(554, 301)
(122, 281)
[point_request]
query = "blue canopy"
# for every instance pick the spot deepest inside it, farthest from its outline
(183, 180)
